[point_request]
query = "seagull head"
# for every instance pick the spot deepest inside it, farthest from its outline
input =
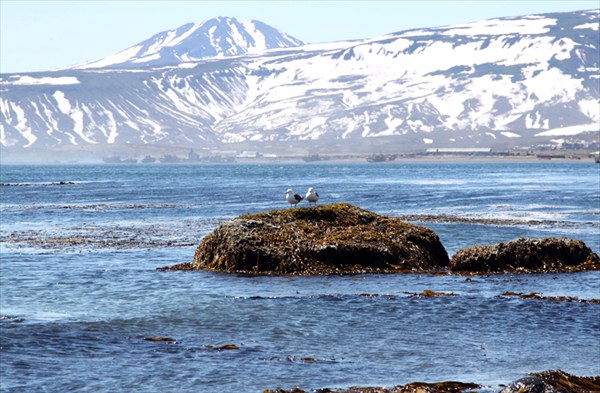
(310, 189)
(289, 191)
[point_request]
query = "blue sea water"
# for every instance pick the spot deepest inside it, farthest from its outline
(80, 291)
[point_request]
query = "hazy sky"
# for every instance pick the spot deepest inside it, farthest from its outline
(45, 35)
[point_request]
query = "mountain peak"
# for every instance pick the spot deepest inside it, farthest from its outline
(217, 37)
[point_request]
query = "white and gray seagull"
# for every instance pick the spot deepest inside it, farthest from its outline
(293, 199)
(312, 196)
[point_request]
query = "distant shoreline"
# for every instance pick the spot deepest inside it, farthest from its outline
(423, 159)
(557, 157)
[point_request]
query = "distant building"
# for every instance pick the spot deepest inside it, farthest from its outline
(249, 154)
(193, 157)
(452, 150)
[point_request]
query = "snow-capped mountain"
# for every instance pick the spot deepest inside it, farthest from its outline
(217, 37)
(496, 83)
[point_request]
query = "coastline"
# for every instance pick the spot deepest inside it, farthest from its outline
(536, 156)
(417, 160)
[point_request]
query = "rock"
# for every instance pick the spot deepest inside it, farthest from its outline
(179, 266)
(529, 384)
(430, 293)
(537, 296)
(328, 239)
(280, 390)
(556, 381)
(527, 256)
(566, 382)
(545, 382)
(168, 340)
(227, 347)
(415, 387)
(438, 387)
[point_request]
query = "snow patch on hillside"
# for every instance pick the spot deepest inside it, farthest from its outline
(117, 58)
(75, 114)
(22, 126)
(522, 26)
(591, 26)
(572, 130)
(47, 80)
(590, 108)
(259, 38)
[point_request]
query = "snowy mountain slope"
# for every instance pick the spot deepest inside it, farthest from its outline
(496, 83)
(169, 106)
(532, 75)
(217, 37)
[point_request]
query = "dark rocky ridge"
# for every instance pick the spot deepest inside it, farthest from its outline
(526, 256)
(329, 239)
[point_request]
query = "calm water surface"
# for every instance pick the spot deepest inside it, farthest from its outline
(80, 291)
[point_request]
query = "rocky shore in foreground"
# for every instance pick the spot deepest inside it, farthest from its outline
(345, 239)
(555, 381)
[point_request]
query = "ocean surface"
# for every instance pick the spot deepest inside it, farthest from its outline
(81, 294)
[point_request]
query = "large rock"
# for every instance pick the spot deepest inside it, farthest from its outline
(527, 255)
(554, 381)
(329, 239)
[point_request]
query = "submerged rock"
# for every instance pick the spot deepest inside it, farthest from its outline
(527, 256)
(430, 293)
(168, 340)
(329, 239)
(537, 296)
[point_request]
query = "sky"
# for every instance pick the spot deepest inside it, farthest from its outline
(43, 35)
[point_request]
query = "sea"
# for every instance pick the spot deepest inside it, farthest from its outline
(83, 307)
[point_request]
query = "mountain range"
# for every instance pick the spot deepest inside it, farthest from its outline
(226, 84)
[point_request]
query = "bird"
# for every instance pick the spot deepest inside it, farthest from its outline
(293, 199)
(312, 196)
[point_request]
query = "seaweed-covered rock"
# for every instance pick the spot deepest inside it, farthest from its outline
(566, 382)
(530, 384)
(415, 387)
(329, 239)
(555, 381)
(527, 255)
